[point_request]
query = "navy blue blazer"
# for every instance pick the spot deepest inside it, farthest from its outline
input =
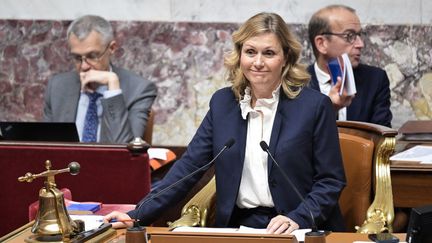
(372, 101)
(304, 141)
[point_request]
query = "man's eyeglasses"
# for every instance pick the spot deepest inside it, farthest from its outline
(349, 36)
(92, 58)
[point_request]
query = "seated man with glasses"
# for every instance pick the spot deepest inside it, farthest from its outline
(108, 104)
(334, 30)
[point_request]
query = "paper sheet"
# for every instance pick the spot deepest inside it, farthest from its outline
(157, 153)
(349, 82)
(205, 230)
(419, 153)
(90, 221)
(299, 234)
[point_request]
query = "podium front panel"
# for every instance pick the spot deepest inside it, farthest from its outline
(108, 174)
(199, 237)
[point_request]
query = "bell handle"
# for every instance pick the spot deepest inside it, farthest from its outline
(73, 169)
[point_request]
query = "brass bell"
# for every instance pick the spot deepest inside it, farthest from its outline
(52, 223)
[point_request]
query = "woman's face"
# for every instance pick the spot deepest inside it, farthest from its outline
(261, 61)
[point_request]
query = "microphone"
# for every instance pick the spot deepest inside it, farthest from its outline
(314, 231)
(227, 145)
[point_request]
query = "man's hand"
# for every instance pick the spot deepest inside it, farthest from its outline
(339, 101)
(281, 225)
(122, 220)
(93, 78)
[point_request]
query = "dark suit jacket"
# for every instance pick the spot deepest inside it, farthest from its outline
(304, 141)
(124, 116)
(372, 101)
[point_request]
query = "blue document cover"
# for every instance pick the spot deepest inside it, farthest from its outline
(335, 69)
(93, 207)
(341, 67)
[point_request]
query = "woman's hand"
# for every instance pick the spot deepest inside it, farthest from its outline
(281, 225)
(119, 220)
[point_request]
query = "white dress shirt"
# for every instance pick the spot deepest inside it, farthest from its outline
(325, 86)
(254, 189)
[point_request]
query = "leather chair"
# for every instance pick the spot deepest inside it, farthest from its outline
(356, 197)
(148, 132)
(157, 164)
(366, 200)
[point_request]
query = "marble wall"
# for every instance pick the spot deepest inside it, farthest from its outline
(185, 60)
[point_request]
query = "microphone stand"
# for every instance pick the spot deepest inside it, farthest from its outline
(226, 146)
(136, 233)
(314, 236)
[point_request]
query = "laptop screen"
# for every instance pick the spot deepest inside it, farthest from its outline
(39, 131)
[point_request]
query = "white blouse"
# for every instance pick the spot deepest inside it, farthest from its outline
(254, 188)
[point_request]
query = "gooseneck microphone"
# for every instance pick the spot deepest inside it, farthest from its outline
(227, 145)
(265, 147)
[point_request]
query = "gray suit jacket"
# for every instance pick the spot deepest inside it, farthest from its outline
(124, 116)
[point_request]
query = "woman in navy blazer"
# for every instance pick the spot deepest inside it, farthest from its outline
(268, 101)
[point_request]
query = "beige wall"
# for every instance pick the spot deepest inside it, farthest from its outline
(370, 12)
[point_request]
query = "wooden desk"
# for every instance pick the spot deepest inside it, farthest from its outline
(19, 235)
(411, 184)
(335, 237)
(339, 237)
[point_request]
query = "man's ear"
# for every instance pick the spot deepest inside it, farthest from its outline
(321, 43)
(113, 46)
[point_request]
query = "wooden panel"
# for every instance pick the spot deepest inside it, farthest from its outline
(412, 186)
(334, 237)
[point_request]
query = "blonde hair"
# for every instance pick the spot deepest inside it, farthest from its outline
(294, 75)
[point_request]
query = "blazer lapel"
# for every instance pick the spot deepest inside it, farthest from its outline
(242, 134)
(72, 95)
(313, 83)
(277, 124)
(237, 127)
